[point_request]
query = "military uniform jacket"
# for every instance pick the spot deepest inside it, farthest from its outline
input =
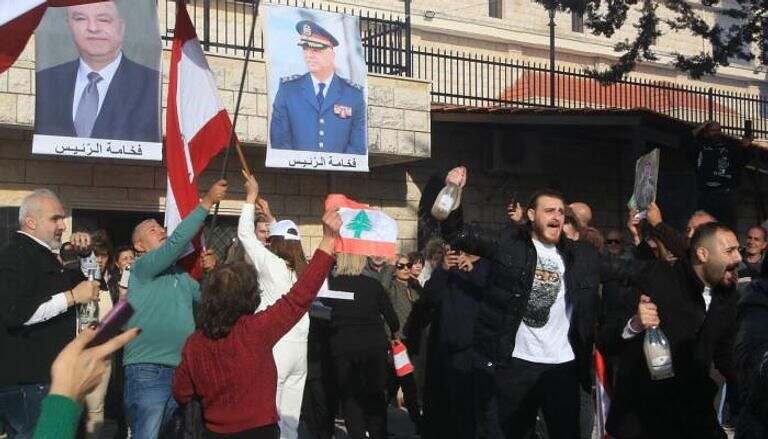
(298, 121)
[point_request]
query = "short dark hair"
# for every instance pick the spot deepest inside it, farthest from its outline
(704, 232)
(534, 200)
(123, 248)
(414, 257)
(231, 292)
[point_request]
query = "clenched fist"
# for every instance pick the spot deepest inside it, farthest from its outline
(215, 194)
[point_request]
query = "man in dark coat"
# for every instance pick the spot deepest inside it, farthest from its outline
(37, 315)
(694, 303)
(752, 361)
(535, 325)
(451, 298)
(102, 94)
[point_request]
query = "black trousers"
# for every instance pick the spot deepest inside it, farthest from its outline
(523, 387)
(410, 394)
(450, 408)
(359, 384)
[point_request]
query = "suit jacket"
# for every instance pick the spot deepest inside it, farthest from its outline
(130, 109)
(299, 123)
(29, 275)
(680, 407)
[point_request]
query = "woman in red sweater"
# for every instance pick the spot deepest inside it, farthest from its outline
(228, 362)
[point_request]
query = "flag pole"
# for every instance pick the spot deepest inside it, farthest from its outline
(243, 163)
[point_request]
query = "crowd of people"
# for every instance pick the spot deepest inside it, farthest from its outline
(501, 327)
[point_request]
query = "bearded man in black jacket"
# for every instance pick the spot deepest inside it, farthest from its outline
(694, 303)
(533, 333)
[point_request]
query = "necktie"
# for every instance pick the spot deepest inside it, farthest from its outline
(320, 96)
(88, 108)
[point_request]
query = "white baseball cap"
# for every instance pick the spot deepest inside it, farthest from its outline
(287, 229)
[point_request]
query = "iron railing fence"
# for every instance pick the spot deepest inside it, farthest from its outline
(474, 80)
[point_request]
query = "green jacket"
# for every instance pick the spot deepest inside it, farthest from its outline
(162, 296)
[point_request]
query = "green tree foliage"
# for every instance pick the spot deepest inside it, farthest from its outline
(726, 43)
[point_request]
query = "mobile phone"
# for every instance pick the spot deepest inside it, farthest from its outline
(112, 324)
(748, 128)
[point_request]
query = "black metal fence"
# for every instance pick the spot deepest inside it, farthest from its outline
(485, 81)
(223, 28)
(473, 80)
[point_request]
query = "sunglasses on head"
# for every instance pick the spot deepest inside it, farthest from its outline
(401, 266)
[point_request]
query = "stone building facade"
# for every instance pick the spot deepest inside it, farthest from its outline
(408, 142)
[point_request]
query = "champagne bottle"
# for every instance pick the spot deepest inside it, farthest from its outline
(446, 202)
(658, 354)
(88, 313)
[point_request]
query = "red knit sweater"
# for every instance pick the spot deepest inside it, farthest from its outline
(235, 377)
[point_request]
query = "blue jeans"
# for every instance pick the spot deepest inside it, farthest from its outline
(20, 408)
(148, 399)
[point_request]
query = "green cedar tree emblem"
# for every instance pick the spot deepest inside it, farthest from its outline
(360, 223)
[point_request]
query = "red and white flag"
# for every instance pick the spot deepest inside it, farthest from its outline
(364, 230)
(602, 399)
(197, 125)
(18, 20)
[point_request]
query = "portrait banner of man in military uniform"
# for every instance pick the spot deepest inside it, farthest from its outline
(98, 81)
(317, 90)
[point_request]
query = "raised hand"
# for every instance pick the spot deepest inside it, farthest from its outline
(81, 241)
(450, 260)
(331, 227)
(215, 194)
(78, 370)
(251, 188)
(654, 214)
(457, 176)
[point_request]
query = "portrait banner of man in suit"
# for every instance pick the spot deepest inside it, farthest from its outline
(317, 90)
(98, 81)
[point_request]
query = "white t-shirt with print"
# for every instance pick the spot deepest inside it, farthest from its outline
(543, 333)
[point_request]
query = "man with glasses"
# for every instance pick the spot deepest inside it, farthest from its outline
(318, 111)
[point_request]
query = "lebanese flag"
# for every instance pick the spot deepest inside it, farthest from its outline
(364, 230)
(602, 399)
(18, 20)
(197, 125)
